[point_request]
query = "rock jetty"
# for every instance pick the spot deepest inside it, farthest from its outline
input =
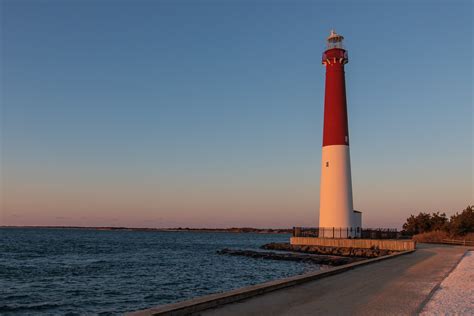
(310, 258)
(333, 251)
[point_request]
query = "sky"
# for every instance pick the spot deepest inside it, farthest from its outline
(209, 113)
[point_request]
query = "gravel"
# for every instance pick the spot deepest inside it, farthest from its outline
(455, 295)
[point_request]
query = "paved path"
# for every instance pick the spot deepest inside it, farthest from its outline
(398, 286)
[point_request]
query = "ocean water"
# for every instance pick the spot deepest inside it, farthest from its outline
(77, 272)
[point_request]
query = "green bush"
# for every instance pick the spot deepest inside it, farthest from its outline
(425, 222)
(461, 224)
(458, 224)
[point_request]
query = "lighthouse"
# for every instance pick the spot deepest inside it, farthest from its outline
(337, 217)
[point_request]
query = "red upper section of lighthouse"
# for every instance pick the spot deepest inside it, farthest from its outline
(336, 131)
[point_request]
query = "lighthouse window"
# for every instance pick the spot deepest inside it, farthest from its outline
(327, 163)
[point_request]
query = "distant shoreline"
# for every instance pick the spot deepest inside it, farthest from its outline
(177, 229)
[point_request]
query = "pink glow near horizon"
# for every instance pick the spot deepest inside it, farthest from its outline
(210, 204)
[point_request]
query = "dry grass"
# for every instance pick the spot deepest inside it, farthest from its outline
(438, 236)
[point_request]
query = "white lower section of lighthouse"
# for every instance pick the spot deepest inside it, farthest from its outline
(336, 210)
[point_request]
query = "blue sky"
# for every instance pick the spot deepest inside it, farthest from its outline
(209, 113)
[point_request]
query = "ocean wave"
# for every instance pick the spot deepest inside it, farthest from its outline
(31, 307)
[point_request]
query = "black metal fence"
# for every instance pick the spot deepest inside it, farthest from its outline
(346, 232)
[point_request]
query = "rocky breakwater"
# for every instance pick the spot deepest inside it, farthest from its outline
(310, 258)
(373, 252)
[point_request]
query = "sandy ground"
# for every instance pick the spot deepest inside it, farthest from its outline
(399, 286)
(455, 296)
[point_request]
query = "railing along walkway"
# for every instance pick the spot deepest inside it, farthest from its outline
(463, 242)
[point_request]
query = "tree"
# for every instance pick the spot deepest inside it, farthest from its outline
(458, 224)
(461, 224)
(418, 224)
(410, 226)
(438, 221)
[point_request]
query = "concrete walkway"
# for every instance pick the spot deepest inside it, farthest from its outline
(399, 286)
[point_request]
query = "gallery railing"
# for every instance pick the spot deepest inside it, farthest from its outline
(346, 232)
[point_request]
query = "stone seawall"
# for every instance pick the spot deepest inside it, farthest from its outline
(330, 251)
(386, 244)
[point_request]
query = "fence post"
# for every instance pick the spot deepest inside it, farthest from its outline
(333, 231)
